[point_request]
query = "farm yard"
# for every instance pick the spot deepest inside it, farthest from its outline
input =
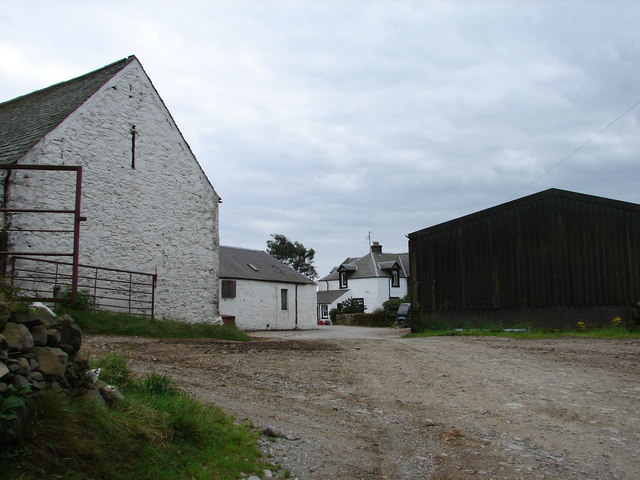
(365, 403)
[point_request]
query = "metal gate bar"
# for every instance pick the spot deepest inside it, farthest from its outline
(135, 293)
(75, 254)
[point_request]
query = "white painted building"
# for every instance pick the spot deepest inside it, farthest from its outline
(371, 279)
(149, 205)
(258, 292)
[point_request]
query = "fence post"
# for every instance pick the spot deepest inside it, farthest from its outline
(13, 274)
(130, 287)
(56, 289)
(95, 289)
(76, 235)
(153, 295)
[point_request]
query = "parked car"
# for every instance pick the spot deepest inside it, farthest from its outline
(403, 315)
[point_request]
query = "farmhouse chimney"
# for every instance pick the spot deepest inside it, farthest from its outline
(376, 248)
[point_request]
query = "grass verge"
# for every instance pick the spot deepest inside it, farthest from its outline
(105, 323)
(158, 432)
(535, 334)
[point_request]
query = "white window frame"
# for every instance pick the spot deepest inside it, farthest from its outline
(395, 278)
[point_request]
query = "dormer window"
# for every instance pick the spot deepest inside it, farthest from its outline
(392, 268)
(343, 279)
(343, 273)
(395, 278)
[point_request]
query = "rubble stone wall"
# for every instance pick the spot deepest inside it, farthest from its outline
(38, 351)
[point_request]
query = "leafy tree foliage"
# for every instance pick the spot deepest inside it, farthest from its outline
(390, 307)
(351, 305)
(293, 254)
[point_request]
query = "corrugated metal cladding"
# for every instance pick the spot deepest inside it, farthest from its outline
(554, 248)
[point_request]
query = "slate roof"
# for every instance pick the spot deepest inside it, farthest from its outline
(330, 296)
(26, 119)
(235, 263)
(371, 265)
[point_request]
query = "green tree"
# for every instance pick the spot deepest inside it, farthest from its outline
(293, 254)
(352, 305)
(390, 307)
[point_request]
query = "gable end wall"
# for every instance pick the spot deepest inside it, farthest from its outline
(161, 215)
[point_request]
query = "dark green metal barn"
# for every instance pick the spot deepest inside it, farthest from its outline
(551, 259)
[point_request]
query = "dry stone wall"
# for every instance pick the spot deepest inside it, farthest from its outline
(38, 351)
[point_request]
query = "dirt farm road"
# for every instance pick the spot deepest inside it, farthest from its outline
(360, 403)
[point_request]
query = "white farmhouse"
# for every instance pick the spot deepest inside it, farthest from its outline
(258, 292)
(148, 204)
(371, 279)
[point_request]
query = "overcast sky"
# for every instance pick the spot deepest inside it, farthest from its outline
(326, 120)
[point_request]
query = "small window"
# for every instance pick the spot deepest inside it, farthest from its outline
(133, 146)
(343, 280)
(284, 299)
(324, 311)
(228, 289)
(252, 267)
(395, 278)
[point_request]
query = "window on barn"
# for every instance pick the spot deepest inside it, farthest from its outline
(228, 289)
(284, 299)
(133, 146)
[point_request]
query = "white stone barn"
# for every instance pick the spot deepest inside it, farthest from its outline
(258, 292)
(148, 204)
(371, 279)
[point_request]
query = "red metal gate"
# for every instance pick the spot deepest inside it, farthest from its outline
(99, 288)
(52, 280)
(75, 213)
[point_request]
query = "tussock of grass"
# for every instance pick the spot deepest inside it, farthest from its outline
(105, 323)
(114, 369)
(158, 432)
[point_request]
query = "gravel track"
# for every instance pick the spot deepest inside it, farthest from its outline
(366, 403)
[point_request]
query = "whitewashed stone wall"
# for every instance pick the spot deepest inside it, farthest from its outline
(161, 215)
(256, 306)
